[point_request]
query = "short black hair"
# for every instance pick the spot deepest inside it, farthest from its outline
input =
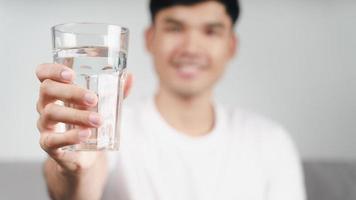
(231, 6)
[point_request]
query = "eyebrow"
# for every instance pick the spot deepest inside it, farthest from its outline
(170, 20)
(217, 25)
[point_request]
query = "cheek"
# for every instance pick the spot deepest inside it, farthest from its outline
(219, 55)
(218, 60)
(165, 47)
(163, 50)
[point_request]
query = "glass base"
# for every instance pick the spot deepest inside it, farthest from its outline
(93, 146)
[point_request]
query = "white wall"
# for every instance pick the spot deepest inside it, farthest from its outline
(294, 65)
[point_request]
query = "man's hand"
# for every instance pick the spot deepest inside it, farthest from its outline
(57, 84)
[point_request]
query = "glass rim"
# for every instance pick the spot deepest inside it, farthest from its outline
(124, 30)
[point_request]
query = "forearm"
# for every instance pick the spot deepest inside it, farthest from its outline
(88, 185)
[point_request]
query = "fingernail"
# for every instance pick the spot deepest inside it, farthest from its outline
(89, 98)
(66, 75)
(84, 134)
(94, 119)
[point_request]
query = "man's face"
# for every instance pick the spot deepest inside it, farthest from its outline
(190, 46)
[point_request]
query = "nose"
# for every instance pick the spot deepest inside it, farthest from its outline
(192, 43)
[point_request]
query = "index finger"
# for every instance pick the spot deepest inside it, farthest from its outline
(57, 72)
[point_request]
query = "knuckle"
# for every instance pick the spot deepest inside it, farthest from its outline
(44, 142)
(55, 154)
(45, 85)
(48, 110)
(47, 82)
(79, 167)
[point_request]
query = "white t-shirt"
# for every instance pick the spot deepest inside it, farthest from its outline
(244, 157)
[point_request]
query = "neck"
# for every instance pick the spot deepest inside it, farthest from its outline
(191, 115)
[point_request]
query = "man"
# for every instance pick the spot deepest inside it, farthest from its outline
(179, 144)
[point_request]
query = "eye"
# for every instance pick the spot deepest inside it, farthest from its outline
(214, 31)
(174, 29)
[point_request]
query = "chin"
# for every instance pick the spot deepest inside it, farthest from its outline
(188, 92)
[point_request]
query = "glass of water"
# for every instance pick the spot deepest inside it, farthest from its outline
(98, 54)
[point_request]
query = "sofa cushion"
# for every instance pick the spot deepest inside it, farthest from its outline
(325, 180)
(330, 180)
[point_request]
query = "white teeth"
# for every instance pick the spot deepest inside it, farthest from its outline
(189, 69)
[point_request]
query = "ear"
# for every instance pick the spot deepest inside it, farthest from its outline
(149, 35)
(234, 43)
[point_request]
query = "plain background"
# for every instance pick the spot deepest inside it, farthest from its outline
(295, 65)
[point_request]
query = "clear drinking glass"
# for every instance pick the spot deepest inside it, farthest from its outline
(98, 54)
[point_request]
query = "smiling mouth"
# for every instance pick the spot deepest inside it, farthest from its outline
(189, 69)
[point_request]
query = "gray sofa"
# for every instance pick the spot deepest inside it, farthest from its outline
(325, 180)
